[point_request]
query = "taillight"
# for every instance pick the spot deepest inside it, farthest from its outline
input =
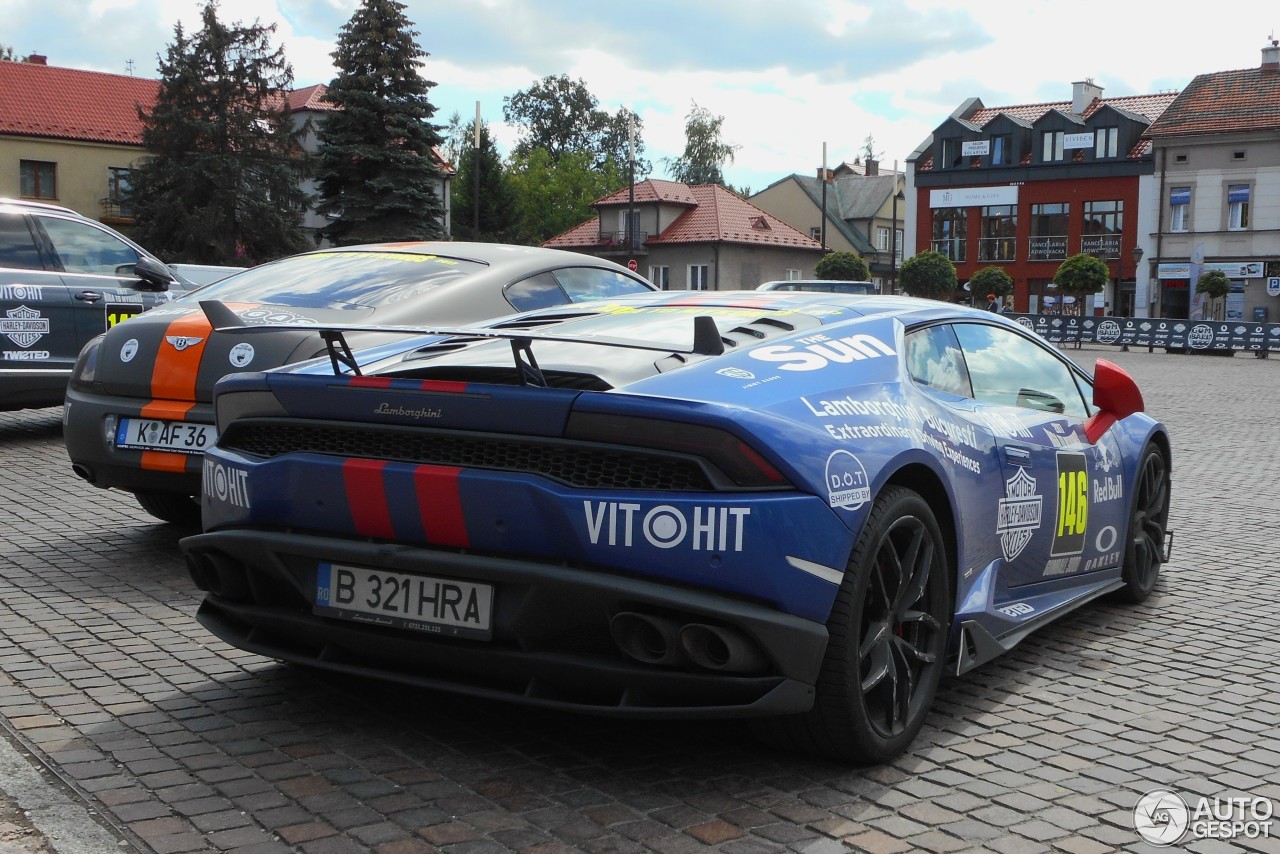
(737, 460)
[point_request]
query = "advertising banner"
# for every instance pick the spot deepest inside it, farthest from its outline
(1170, 333)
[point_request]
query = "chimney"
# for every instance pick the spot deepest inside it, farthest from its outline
(37, 59)
(873, 167)
(1083, 93)
(1271, 56)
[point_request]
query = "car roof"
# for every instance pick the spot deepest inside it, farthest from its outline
(491, 254)
(26, 204)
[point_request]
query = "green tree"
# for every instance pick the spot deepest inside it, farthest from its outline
(7, 54)
(1213, 284)
(221, 183)
(1082, 274)
(552, 197)
(843, 266)
(562, 117)
(928, 274)
(705, 153)
(991, 280)
(497, 216)
(377, 171)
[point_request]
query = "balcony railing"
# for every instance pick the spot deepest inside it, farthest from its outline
(616, 241)
(953, 249)
(997, 249)
(1047, 248)
(1102, 245)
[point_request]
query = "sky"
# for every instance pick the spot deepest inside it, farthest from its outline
(790, 79)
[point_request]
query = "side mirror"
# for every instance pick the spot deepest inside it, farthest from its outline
(1117, 397)
(153, 273)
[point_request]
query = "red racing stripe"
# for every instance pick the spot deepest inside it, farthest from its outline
(367, 498)
(440, 505)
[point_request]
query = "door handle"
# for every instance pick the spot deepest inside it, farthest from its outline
(88, 296)
(1016, 455)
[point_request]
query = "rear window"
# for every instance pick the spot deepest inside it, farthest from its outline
(336, 278)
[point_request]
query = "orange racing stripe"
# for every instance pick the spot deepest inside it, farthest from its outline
(164, 461)
(173, 377)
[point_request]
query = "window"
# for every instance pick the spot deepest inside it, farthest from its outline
(84, 249)
(1179, 208)
(793, 274)
(950, 226)
(589, 283)
(1237, 155)
(1237, 207)
(1106, 142)
(17, 246)
(952, 152)
(1103, 223)
(1001, 150)
(1052, 150)
(38, 179)
(625, 234)
(816, 232)
(1049, 232)
(1009, 370)
(934, 361)
(999, 229)
(661, 276)
(882, 239)
(118, 191)
(897, 246)
(698, 277)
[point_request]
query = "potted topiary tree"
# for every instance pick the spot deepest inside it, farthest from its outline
(928, 274)
(1082, 275)
(1215, 285)
(992, 280)
(842, 266)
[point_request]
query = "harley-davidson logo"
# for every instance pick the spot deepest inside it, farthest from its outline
(24, 326)
(182, 342)
(1020, 513)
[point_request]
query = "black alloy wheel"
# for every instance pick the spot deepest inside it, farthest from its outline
(1148, 521)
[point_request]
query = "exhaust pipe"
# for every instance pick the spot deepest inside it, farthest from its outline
(647, 639)
(716, 648)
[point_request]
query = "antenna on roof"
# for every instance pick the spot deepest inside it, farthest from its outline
(128, 64)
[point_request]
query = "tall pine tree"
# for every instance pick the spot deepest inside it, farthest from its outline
(377, 173)
(221, 182)
(497, 205)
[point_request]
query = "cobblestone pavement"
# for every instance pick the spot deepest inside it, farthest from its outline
(181, 743)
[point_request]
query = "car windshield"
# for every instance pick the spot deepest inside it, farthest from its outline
(339, 277)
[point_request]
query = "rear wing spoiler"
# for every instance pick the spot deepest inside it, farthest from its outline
(706, 338)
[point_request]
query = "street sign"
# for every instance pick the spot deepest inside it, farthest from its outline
(632, 265)
(1273, 286)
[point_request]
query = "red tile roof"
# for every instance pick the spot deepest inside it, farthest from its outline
(65, 103)
(714, 215)
(1224, 102)
(1150, 106)
(310, 98)
(651, 191)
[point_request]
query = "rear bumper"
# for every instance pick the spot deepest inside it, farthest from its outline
(87, 420)
(552, 644)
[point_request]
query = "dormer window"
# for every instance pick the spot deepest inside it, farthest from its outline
(1106, 142)
(1001, 150)
(952, 154)
(761, 224)
(1052, 150)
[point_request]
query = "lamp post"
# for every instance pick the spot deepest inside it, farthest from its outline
(1137, 260)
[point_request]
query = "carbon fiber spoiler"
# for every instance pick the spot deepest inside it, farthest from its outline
(706, 338)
